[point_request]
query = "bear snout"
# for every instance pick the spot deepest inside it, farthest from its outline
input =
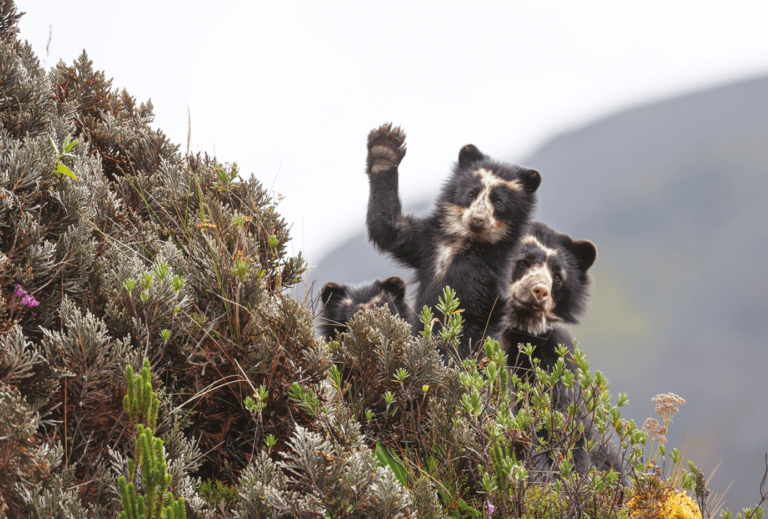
(534, 289)
(540, 292)
(478, 221)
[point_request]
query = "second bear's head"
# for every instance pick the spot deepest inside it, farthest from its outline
(549, 281)
(341, 302)
(485, 200)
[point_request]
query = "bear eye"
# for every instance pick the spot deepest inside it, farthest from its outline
(522, 263)
(471, 195)
(497, 203)
(558, 278)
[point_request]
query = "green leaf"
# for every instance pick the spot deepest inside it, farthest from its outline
(71, 145)
(55, 148)
(61, 168)
(385, 459)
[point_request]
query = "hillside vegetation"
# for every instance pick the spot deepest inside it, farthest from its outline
(672, 194)
(153, 364)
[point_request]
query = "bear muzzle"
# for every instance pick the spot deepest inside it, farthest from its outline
(533, 291)
(479, 221)
(540, 292)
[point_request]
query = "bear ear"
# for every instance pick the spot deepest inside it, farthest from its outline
(469, 154)
(394, 286)
(330, 289)
(531, 180)
(586, 251)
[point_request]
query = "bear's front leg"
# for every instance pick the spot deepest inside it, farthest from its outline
(386, 149)
(388, 229)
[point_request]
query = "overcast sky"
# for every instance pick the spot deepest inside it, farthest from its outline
(290, 90)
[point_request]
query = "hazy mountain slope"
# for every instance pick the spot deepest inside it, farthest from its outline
(673, 194)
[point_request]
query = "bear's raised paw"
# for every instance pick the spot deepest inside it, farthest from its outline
(386, 148)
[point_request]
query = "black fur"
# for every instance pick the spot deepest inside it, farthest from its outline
(527, 314)
(480, 262)
(341, 302)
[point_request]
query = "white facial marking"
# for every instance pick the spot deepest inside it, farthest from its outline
(498, 233)
(453, 223)
(458, 219)
(518, 316)
(378, 300)
(347, 301)
(541, 271)
(481, 205)
(532, 240)
(490, 180)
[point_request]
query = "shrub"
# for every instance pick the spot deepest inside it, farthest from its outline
(146, 259)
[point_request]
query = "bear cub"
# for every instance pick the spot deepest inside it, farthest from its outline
(548, 286)
(467, 240)
(341, 302)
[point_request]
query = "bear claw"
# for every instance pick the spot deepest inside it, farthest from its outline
(386, 149)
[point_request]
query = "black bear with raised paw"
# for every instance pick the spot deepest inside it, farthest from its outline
(467, 240)
(548, 286)
(341, 302)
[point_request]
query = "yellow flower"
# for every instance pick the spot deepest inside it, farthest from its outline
(674, 505)
(677, 505)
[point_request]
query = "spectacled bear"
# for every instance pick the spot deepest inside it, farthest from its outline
(465, 242)
(549, 281)
(548, 286)
(341, 302)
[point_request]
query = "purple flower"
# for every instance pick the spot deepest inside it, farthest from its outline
(29, 301)
(489, 508)
(20, 292)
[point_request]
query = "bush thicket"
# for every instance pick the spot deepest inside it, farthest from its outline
(121, 254)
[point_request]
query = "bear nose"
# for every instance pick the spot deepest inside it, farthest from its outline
(540, 292)
(478, 219)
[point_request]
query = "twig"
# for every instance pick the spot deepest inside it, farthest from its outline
(763, 493)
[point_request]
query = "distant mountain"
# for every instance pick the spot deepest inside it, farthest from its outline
(674, 195)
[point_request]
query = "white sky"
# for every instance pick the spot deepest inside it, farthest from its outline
(295, 87)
